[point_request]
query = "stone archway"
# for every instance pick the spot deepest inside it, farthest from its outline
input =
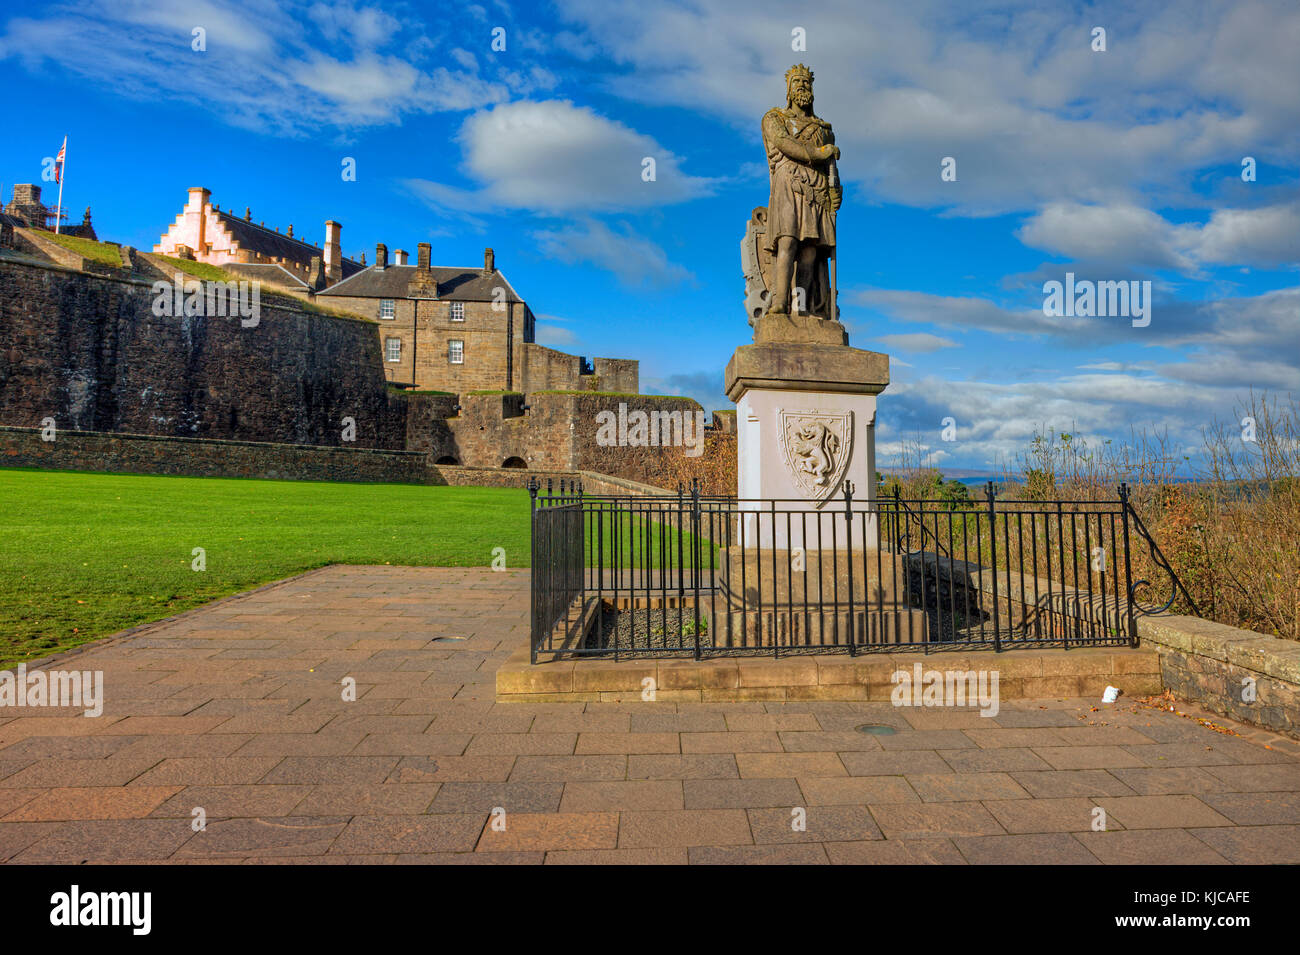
(514, 462)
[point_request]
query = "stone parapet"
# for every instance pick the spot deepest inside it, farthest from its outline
(806, 367)
(1236, 673)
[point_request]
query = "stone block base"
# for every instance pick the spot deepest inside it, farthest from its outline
(751, 578)
(1022, 674)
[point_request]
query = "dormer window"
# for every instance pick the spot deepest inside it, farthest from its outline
(458, 311)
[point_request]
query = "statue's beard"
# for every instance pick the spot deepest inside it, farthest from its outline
(802, 98)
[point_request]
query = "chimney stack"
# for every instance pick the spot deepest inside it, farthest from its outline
(422, 284)
(196, 218)
(316, 274)
(489, 261)
(399, 257)
(333, 252)
(381, 257)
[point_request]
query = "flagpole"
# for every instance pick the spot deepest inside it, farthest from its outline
(58, 212)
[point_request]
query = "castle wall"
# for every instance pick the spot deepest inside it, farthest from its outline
(545, 369)
(557, 432)
(400, 326)
(617, 375)
(428, 428)
(89, 352)
(203, 457)
(119, 382)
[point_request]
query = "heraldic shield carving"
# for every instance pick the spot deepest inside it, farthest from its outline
(817, 447)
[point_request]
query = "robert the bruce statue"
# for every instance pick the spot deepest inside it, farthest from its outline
(790, 246)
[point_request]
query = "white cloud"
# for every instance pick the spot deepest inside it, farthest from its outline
(966, 313)
(1134, 237)
(552, 156)
(704, 386)
(1261, 237)
(551, 331)
(1226, 347)
(920, 342)
(634, 260)
(996, 421)
(1107, 234)
(1014, 93)
(268, 66)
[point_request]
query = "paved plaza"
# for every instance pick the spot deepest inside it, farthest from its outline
(235, 714)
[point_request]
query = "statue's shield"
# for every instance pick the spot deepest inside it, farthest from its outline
(756, 265)
(817, 446)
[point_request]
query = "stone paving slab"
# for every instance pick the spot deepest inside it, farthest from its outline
(238, 709)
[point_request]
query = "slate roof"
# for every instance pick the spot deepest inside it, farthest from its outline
(454, 284)
(272, 244)
(269, 272)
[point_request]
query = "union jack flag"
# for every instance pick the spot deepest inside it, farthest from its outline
(58, 163)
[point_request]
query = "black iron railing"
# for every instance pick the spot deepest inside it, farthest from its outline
(698, 575)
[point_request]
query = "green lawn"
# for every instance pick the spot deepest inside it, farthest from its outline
(199, 270)
(106, 253)
(85, 555)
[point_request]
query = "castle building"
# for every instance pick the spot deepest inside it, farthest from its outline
(441, 328)
(203, 232)
(25, 210)
(466, 329)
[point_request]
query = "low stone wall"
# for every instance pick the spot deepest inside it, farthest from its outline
(592, 483)
(1022, 675)
(207, 457)
(1240, 674)
(1237, 673)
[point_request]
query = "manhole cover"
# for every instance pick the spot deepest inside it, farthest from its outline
(877, 729)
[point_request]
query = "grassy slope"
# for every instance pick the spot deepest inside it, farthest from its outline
(85, 555)
(103, 252)
(199, 270)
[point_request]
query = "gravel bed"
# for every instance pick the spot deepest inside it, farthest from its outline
(656, 628)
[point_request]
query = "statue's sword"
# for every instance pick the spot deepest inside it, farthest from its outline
(833, 178)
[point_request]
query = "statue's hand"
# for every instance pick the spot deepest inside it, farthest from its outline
(837, 197)
(827, 153)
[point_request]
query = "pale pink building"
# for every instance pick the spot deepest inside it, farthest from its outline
(205, 233)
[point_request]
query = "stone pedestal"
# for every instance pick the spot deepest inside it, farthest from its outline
(805, 420)
(753, 577)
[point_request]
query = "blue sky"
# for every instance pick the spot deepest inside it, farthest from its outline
(1122, 164)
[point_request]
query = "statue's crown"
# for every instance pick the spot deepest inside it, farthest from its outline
(798, 70)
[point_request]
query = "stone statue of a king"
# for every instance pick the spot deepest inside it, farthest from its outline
(805, 398)
(789, 248)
